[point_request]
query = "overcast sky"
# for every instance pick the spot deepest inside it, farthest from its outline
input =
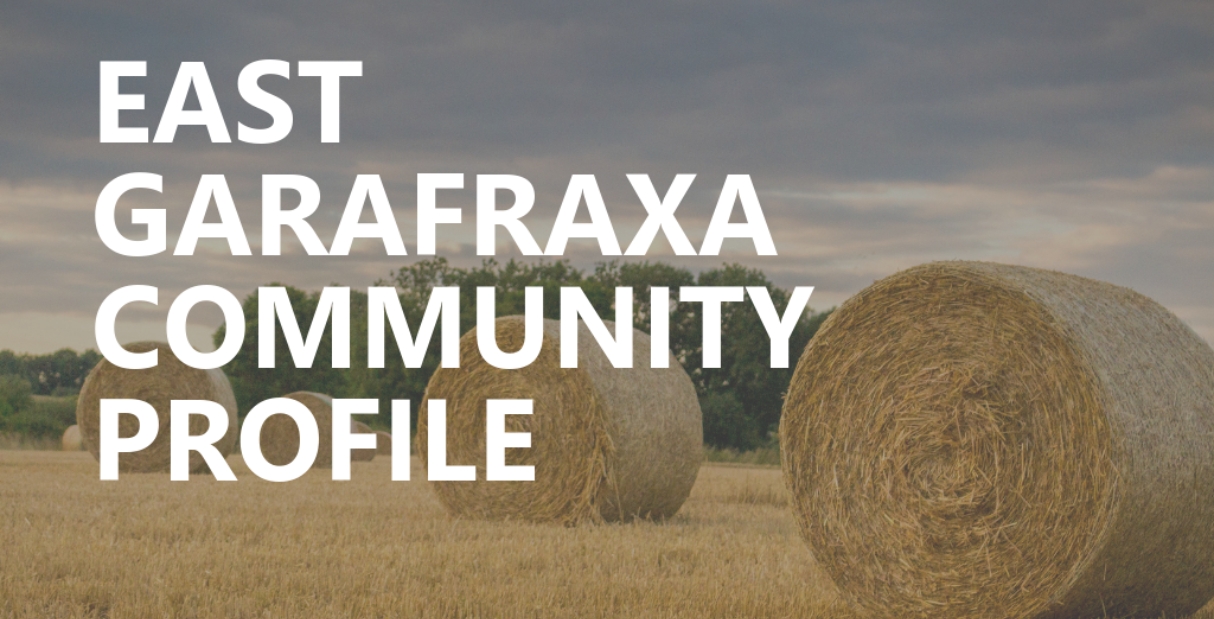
(1076, 136)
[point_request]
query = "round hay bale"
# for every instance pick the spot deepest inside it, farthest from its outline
(72, 440)
(969, 439)
(169, 380)
(280, 435)
(362, 455)
(383, 444)
(607, 444)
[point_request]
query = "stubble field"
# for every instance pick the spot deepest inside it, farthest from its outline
(72, 546)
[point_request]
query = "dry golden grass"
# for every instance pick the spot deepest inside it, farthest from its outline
(147, 547)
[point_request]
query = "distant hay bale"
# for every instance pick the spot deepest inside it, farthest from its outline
(969, 439)
(362, 455)
(607, 444)
(72, 440)
(383, 444)
(169, 380)
(280, 434)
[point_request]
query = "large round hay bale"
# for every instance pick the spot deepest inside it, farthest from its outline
(362, 455)
(969, 439)
(383, 444)
(169, 380)
(607, 444)
(71, 439)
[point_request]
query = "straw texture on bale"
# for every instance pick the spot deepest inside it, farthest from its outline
(383, 443)
(970, 439)
(607, 444)
(71, 439)
(362, 455)
(169, 380)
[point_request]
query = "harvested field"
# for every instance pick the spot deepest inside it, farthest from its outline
(146, 547)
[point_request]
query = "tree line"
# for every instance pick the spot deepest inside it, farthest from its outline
(24, 376)
(60, 373)
(741, 400)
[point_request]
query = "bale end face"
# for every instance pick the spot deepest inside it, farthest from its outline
(71, 439)
(965, 439)
(280, 434)
(606, 443)
(169, 380)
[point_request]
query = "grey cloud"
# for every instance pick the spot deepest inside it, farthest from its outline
(856, 90)
(1076, 135)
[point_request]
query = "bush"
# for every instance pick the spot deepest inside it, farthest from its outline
(33, 416)
(59, 373)
(726, 424)
(46, 418)
(16, 395)
(768, 455)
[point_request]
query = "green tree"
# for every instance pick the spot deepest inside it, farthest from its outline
(745, 374)
(509, 281)
(252, 384)
(642, 278)
(11, 363)
(59, 373)
(16, 395)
